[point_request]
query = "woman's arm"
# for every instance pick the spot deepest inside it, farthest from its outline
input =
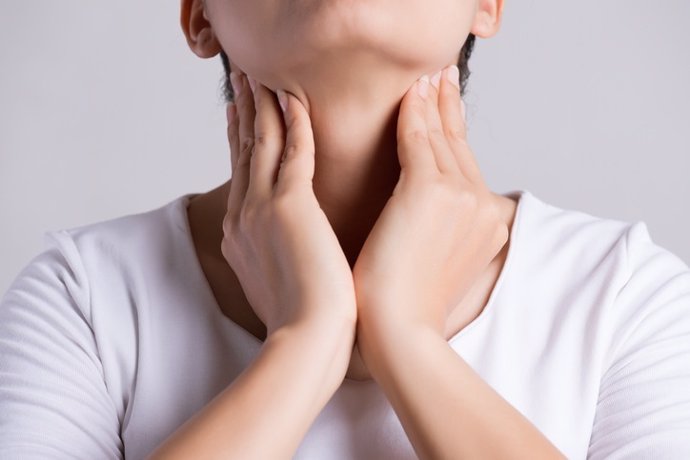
(268, 409)
(436, 235)
(283, 250)
(445, 407)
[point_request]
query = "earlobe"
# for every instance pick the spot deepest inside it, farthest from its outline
(197, 29)
(487, 20)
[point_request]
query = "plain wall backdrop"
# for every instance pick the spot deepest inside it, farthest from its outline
(104, 112)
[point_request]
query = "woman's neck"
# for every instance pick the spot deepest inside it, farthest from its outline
(356, 167)
(356, 163)
(354, 120)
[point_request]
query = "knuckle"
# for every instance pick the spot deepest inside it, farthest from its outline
(282, 204)
(247, 145)
(467, 199)
(261, 140)
(264, 140)
(250, 214)
(291, 151)
(456, 135)
(436, 132)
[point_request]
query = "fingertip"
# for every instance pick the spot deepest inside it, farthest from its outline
(453, 75)
(414, 101)
(436, 80)
(282, 100)
(423, 86)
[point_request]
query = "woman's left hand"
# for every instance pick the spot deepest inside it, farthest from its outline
(440, 228)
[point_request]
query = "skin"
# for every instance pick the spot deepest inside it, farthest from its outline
(308, 289)
(369, 61)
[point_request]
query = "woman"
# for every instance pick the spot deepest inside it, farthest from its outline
(356, 290)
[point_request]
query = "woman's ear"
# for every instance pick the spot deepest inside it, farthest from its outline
(197, 29)
(487, 20)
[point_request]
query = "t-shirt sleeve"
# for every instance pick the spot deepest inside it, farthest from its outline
(53, 397)
(643, 410)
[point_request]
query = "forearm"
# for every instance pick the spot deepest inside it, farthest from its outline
(268, 409)
(445, 407)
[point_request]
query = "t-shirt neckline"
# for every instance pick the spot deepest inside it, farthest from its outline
(523, 196)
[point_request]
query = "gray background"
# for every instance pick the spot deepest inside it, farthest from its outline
(105, 112)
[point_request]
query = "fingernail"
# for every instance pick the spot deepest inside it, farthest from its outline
(252, 83)
(235, 81)
(282, 99)
(423, 86)
(436, 80)
(453, 75)
(230, 112)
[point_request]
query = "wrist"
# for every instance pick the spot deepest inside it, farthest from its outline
(325, 343)
(324, 325)
(378, 338)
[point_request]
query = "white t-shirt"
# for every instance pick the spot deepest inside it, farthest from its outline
(111, 338)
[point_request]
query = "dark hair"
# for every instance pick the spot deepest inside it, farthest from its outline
(465, 54)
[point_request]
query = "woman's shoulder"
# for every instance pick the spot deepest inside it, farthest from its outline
(580, 239)
(611, 268)
(631, 276)
(139, 232)
(112, 252)
(552, 223)
(70, 324)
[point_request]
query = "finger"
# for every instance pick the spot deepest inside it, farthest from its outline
(453, 118)
(297, 166)
(414, 149)
(231, 112)
(245, 105)
(240, 173)
(445, 159)
(234, 198)
(268, 143)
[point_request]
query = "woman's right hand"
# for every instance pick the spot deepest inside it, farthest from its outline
(296, 278)
(277, 239)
